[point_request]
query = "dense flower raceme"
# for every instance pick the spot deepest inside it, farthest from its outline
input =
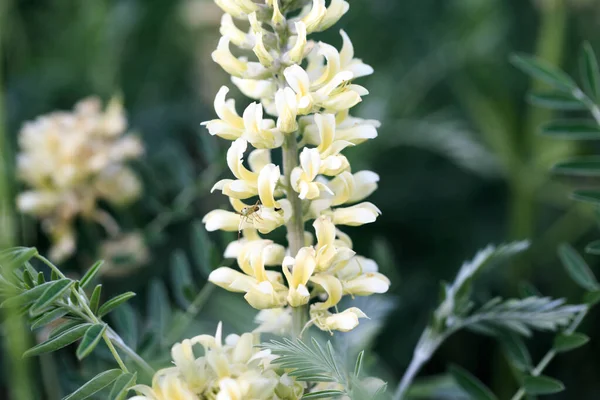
(309, 105)
(232, 370)
(70, 160)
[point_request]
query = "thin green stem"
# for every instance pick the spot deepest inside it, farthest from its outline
(551, 353)
(135, 357)
(50, 265)
(115, 353)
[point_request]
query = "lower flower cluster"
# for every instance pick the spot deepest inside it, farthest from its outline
(329, 266)
(231, 370)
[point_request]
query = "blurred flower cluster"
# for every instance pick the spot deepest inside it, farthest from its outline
(71, 160)
(311, 125)
(233, 370)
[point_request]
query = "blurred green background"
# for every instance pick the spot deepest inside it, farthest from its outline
(460, 163)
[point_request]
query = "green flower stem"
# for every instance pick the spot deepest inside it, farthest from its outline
(295, 225)
(537, 371)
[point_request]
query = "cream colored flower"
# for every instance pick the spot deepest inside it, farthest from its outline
(296, 53)
(259, 132)
(311, 101)
(255, 89)
(236, 66)
(360, 277)
(316, 13)
(302, 178)
(332, 94)
(360, 214)
(249, 183)
(298, 271)
(233, 369)
(329, 251)
(165, 386)
(264, 289)
(234, 34)
(350, 129)
(69, 161)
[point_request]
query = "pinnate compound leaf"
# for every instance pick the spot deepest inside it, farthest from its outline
(114, 303)
(473, 386)
(543, 71)
(523, 315)
(95, 384)
(564, 342)
(59, 341)
(121, 386)
(455, 297)
(307, 363)
(537, 385)
(577, 268)
(90, 340)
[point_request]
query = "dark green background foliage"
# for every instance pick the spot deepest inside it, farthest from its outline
(460, 162)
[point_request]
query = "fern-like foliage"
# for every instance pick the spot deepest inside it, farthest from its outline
(456, 297)
(318, 364)
(522, 315)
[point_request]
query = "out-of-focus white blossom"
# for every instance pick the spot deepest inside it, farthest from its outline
(69, 161)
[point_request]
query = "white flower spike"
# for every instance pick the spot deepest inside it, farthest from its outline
(310, 104)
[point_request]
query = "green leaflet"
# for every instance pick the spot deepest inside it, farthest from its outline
(90, 340)
(91, 274)
(470, 384)
(535, 385)
(577, 268)
(564, 342)
(58, 342)
(121, 386)
(55, 291)
(114, 303)
(95, 384)
(543, 71)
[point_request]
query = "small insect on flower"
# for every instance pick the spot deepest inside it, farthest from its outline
(248, 213)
